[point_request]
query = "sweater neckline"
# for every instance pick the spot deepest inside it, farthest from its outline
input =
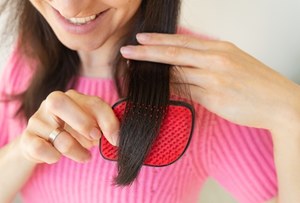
(93, 79)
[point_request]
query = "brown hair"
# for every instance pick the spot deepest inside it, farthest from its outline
(146, 83)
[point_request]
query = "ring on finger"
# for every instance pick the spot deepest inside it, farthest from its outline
(54, 134)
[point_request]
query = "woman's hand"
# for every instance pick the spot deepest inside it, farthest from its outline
(224, 79)
(82, 119)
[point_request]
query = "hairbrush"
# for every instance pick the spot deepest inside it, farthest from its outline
(172, 140)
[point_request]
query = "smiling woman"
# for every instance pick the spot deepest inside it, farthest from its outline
(66, 17)
(74, 59)
(105, 41)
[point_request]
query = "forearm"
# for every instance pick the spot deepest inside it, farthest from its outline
(14, 171)
(287, 161)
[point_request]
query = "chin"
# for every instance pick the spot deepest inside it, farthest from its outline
(83, 45)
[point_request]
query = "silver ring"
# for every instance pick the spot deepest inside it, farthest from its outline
(54, 134)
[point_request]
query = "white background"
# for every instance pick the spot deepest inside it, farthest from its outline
(267, 29)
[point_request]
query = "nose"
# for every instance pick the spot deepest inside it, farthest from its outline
(74, 8)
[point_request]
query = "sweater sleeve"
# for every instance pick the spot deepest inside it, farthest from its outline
(242, 161)
(14, 79)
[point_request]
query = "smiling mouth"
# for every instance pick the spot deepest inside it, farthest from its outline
(84, 20)
(81, 21)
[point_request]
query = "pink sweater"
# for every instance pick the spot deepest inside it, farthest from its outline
(239, 158)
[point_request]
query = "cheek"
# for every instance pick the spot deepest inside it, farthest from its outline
(126, 10)
(127, 6)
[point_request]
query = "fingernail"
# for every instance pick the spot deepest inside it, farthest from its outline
(115, 138)
(126, 51)
(95, 133)
(142, 37)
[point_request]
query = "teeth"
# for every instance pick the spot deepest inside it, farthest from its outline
(81, 21)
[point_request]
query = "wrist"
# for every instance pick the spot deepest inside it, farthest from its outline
(16, 153)
(15, 170)
(287, 130)
(286, 158)
(288, 120)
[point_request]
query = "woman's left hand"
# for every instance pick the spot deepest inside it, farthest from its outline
(224, 79)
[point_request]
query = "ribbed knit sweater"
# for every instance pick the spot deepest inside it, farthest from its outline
(239, 158)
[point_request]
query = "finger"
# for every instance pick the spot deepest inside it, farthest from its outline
(64, 143)
(196, 77)
(198, 94)
(101, 112)
(39, 150)
(70, 147)
(88, 144)
(168, 55)
(193, 80)
(61, 105)
(43, 129)
(180, 40)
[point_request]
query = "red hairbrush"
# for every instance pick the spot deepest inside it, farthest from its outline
(173, 139)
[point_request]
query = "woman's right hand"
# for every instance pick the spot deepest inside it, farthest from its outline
(82, 119)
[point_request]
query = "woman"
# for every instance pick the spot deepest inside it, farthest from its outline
(75, 45)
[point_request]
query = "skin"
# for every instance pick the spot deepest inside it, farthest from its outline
(97, 48)
(223, 78)
(236, 86)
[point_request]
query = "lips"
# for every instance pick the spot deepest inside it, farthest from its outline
(80, 21)
(81, 25)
